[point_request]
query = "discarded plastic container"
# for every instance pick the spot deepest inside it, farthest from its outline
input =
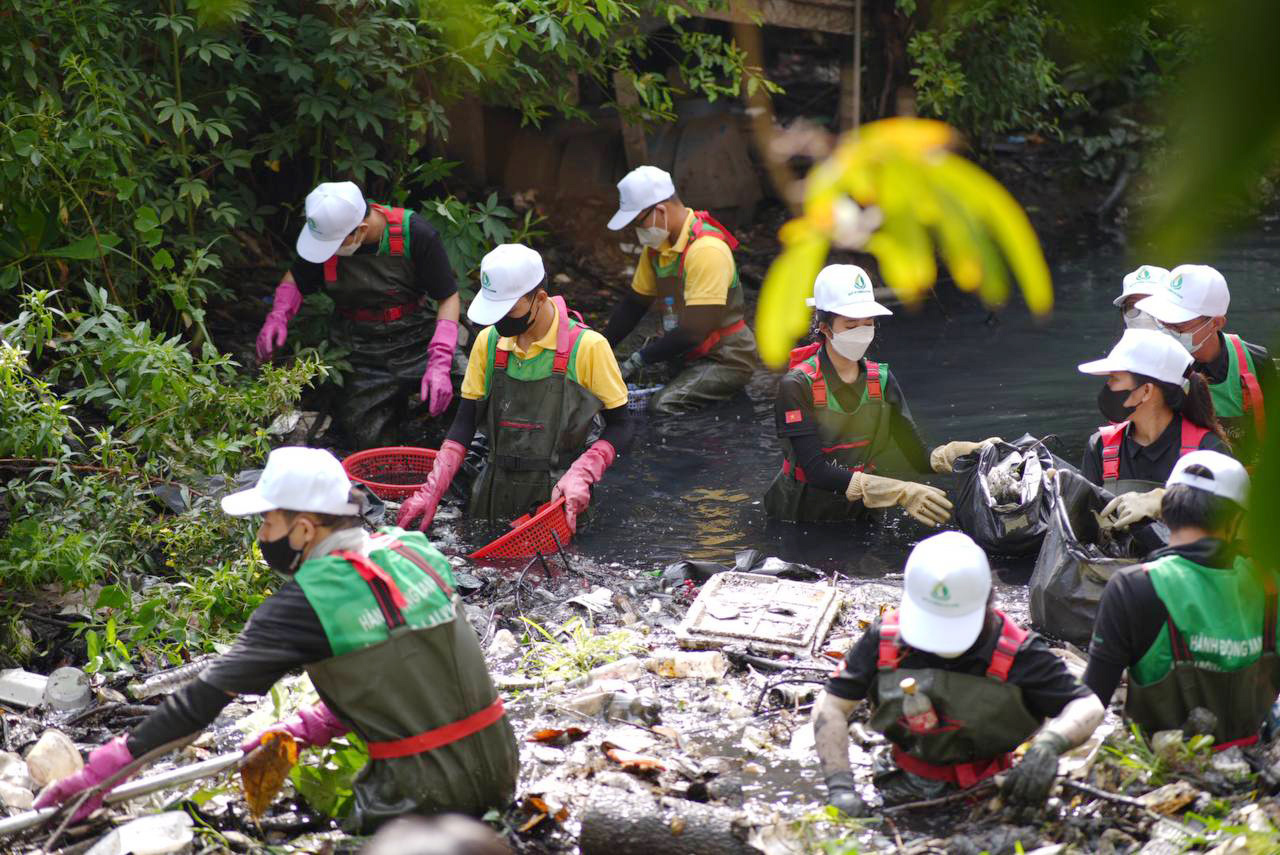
(917, 709)
(169, 680)
(705, 664)
(530, 534)
(669, 319)
(21, 688)
(68, 689)
(150, 835)
(392, 473)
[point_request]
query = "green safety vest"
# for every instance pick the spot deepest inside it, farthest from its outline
(538, 418)
(851, 440)
(1237, 400)
(1216, 650)
(408, 674)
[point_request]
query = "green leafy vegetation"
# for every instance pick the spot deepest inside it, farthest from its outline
(571, 650)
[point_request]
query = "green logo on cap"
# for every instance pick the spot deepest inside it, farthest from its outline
(1144, 274)
(311, 224)
(860, 284)
(940, 592)
(484, 282)
(1176, 284)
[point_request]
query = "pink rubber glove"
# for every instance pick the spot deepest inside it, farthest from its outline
(423, 503)
(575, 485)
(275, 329)
(437, 388)
(311, 726)
(104, 762)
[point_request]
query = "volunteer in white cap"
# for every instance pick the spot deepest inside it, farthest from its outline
(375, 623)
(991, 685)
(1192, 307)
(687, 266)
(839, 414)
(1194, 624)
(1143, 282)
(384, 267)
(1158, 409)
(537, 409)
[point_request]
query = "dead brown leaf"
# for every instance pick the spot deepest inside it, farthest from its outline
(267, 767)
(557, 736)
(630, 761)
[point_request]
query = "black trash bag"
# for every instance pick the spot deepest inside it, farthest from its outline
(1001, 501)
(1076, 559)
(746, 561)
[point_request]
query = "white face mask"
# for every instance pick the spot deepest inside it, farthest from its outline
(652, 236)
(1136, 319)
(349, 249)
(1188, 339)
(853, 343)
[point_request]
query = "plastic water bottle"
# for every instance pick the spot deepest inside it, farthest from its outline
(917, 709)
(669, 319)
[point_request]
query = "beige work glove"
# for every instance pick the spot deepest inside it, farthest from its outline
(927, 504)
(1129, 509)
(944, 456)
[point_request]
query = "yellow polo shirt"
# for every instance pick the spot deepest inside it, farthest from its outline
(596, 368)
(708, 268)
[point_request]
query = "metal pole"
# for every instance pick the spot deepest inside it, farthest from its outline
(857, 64)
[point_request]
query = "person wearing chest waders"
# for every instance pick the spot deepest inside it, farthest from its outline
(1159, 409)
(837, 414)
(536, 381)
(383, 267)
(687, 267)
(955, 685)
(376, 623)
(1138, 285)
(1195, 624)
(1192, 308)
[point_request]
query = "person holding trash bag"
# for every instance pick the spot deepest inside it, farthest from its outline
(1159, 409)
(838, 412)
(535, 382)
(1192, 308)
(376, 623)
(381, 265)
(687, 265)
(956, 686)
(1139, 284)
(1195, 624)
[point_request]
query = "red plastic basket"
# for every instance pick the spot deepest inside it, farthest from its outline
(392, 473)
(530, 534)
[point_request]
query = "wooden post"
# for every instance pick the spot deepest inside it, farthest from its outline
(633, 142)
(849, 115)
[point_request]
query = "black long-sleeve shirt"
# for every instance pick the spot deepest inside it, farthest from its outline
(1152, 462)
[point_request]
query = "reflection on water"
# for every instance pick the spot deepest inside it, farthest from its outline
(692, 486)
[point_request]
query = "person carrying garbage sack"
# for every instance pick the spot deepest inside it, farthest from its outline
(535, 382)
(1139, 284)
(1159, 409)
(1192, 308)
(837, 412)
(376, 623)
(1195, 624)
(381, 265)
(687, 265)
(955, 685)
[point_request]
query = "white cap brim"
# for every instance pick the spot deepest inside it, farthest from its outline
(861, 310)
(619, 220)
(1165, 312)
(486, 312)
(246, 503)
(314, 250)
(1119, 301)
(1102, 367)
(934, 633)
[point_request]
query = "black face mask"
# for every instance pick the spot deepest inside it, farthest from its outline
(510, 327)
(1111, 404)
(280, 555)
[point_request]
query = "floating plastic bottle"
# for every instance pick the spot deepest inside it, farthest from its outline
(917, 709)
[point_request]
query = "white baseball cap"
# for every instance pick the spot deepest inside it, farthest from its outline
(1192, 291)
(1146, 280)
(507, 273)
(296, 479)
(1227, 476)
(334, 209)
(1147, 352)
(944, 594)
(846, 290)
(642, 187)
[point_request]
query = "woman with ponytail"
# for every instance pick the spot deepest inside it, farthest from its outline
(839, 413)
(1159, 409)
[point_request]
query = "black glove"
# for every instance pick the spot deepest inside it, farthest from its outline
(842, 795)
(1029, 782)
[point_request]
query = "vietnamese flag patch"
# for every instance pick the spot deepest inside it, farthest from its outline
(794, 416)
